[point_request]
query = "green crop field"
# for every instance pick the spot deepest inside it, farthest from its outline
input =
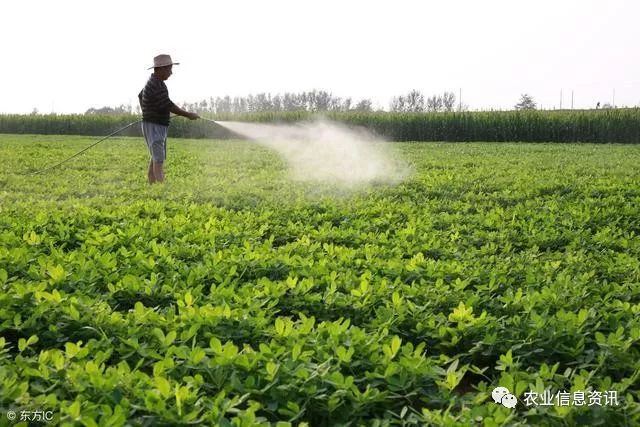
(232, 295)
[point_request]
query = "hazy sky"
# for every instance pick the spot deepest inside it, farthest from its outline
(68, 56)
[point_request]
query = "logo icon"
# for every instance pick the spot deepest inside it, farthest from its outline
(503, 396)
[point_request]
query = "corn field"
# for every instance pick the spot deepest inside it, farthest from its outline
(600, 126)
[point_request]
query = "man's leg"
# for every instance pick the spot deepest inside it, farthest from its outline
(156, 137)
(158, 171)
(151, 174)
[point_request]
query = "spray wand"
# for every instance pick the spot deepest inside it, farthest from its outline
(209, 120)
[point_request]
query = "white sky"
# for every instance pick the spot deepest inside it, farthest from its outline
(68, 56)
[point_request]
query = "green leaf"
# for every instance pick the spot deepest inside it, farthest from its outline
(163, 385)
(32, 340)
(138, 309)
(295, 352)
(170, 338)
(396, 299)
(215, 345)
(91, 368)
(197, 354)
(32, 238)
(391, 369)
(583, 314)
(279, 326)
(56, 296)
(395, 344)
(461, 314)
(157, 332)
(181, 394)
(23, 344)
(75, 315)
(272, 368)
(71, 349)
(74, 410)
(343, 354)
(230, 350)
(521, 386)
(57, 273)
(364, 286)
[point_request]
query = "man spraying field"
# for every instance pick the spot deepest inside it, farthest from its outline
(156, 108)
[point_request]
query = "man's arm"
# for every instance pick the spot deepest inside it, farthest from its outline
(179, 111)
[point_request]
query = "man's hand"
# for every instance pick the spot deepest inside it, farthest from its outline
(180, 112)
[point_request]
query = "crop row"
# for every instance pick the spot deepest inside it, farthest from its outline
(604, 126)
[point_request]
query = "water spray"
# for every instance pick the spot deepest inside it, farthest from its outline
(326, 151)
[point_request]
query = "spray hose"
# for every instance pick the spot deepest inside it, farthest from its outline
(96, 143)
(85, 149)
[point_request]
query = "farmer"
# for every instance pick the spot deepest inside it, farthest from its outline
(156, 106)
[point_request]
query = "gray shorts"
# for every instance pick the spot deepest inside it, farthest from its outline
(156, 137)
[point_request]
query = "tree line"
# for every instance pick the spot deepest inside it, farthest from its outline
(415, 102)
(313, 101)
(310, 101)
(320, 101)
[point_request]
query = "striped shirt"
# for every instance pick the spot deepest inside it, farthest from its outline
(155, 102)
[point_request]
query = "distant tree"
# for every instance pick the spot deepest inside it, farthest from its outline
(262, 102)
(463, 107)
(448, 101)
(607, 106)
(336, 103)
(189, 106)
(435, 103)
(276, 102)
(526, 103)
(364, 105)
(397, 104)
(411, 102)
(319, 101)
(250, 103)
(293, 102)
(120, 109)
(223, 105)
(346, 104)
(239, 105)
(415, 101)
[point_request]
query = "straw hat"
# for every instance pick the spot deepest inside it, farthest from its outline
(162, 61)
